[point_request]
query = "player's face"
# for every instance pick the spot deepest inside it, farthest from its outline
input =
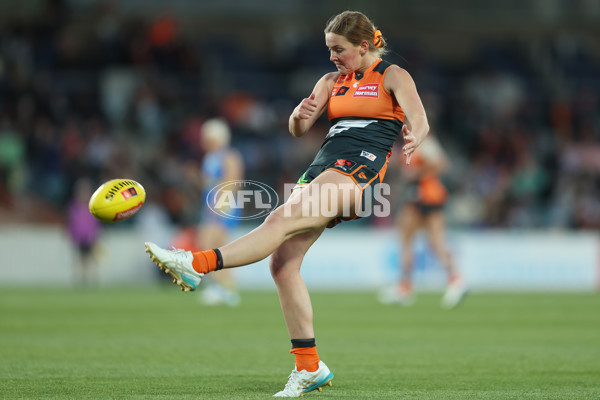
(342, 53)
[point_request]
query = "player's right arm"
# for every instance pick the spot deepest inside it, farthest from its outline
(311, 108)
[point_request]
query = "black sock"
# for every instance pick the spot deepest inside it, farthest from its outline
(219, 259)
(298, 343)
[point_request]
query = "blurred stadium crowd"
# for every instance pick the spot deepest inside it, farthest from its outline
(107, 94)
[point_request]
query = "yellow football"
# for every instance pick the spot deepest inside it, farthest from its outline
(117, 200)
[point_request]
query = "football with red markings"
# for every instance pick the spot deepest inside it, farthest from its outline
(117, 200)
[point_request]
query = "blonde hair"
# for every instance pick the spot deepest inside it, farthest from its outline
(356, 27)
(218, 130)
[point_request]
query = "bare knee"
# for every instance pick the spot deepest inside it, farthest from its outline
(284, 266)
(279, 221)
(285, 262)
(291, 220)
(276, 264)
(274, 220)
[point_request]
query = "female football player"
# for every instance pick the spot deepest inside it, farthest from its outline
(425, 197)
(369, 102)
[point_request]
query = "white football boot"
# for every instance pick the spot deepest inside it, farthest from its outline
(301, 382)
(216, 294)
(178, 264)
(396, 295)
(455, 293)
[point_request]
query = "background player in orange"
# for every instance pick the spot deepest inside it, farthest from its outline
(369, 102)
(425, 196)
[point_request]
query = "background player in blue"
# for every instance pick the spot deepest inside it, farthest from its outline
(221, 164)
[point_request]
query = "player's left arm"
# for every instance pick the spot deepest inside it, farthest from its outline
(400, 84)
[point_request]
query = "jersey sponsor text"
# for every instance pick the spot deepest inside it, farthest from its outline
(370, 90)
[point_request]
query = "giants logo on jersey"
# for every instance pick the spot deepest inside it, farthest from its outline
(339, 91)
(369, 90)
(344, 164)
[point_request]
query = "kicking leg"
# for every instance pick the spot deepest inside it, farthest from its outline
(303, 212)
(307, 209)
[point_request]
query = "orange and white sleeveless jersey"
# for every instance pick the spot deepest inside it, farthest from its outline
(360, 107)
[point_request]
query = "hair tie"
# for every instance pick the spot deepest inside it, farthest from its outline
(377, 38)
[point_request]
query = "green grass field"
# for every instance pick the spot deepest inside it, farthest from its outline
(159, 343)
